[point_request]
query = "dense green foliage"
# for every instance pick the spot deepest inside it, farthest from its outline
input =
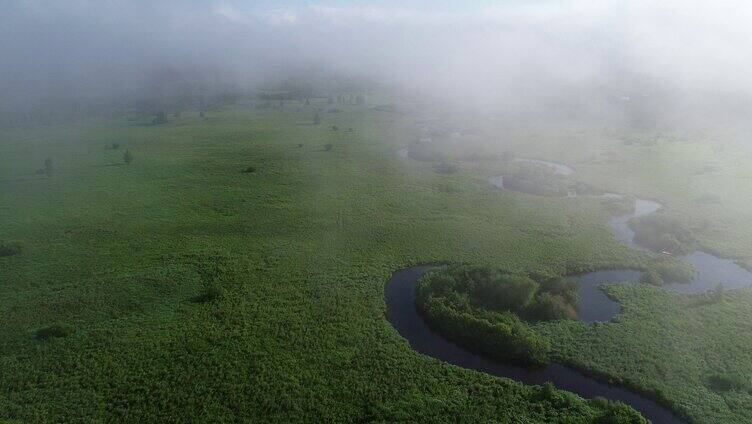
(482, 308)
(445, 168)
(195, 295)
(55, 330)
(537, 180)
(10, 248)
(661, 232)
(424, 152)
(499, 335)
(690, 351)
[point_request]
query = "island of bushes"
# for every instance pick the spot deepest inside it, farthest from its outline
(487, 310)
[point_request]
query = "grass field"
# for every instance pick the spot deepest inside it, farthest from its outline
(294, 257)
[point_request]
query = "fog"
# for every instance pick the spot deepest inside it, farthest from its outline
(673, 61)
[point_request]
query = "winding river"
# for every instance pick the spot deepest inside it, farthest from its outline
(593, 306)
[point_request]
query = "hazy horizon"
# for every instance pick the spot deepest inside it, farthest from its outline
(673, 58)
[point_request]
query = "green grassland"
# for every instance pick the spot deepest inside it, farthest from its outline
(294, 257)
(671, 345)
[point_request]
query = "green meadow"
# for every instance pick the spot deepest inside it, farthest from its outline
(179, 288)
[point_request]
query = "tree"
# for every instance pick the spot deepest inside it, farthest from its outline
(127, 157)
(48, 167)
(161, 118)
(549, 307)
(507, 292)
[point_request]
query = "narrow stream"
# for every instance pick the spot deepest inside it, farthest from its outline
(593, 305)
(403, 315)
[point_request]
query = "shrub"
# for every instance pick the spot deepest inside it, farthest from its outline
(161, 118)
(558, 399)
(115, 146)
(328, 147)
(652, 277)
(505, 339)
(48, 167)
(674, 271)
(507, 292)
(566, 289)
(448, 188)
(481, 308)
(711, 297)
(616, 412)
(618, 205)
(445, 168)
(662, 232)
(423, 152)
(585, 189)
(549, 307)
(209, 293)
(249, 170)
(724, 382)
(536, 180)
(497, 290)
(10, 249)
(335, 128)
(51, 331)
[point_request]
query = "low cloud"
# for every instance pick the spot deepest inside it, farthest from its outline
(518, 55)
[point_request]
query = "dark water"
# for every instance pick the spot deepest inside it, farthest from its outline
(403, 315)
(710, 269)
(593, 306)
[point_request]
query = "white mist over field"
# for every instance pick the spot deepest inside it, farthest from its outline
(671, 57)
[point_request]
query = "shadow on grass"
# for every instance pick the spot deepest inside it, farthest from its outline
(109, 164)
(18, 180)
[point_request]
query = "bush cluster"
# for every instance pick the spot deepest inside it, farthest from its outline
(51, 331)
(484, 309)
(10, 249)
(445, 168)
(423, 152)
(660, 232)
(536, 180)
(725, 382)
